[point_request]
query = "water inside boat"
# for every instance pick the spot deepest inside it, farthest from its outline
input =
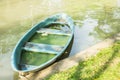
(35, 58)
(45, 44)
(50, 39)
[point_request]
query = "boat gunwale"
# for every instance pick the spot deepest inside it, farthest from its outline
(34, 29)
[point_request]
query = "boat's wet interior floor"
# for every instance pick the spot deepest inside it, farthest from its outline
(45, 44)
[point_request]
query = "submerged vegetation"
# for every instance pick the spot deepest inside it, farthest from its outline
(24, 14)
(108, 24)
(35, 58)
(104, 66)
(18, 16)
(50, 39)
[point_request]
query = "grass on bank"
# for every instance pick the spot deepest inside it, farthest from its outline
(104, 66)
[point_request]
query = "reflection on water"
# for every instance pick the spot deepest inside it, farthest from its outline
(82, 37)
(96, 21)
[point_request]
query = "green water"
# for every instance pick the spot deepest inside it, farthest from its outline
(60, 40)
(35, 58)
(38, 58)
(17, 17)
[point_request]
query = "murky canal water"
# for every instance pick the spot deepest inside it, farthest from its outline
(95, 21)
(82, 37)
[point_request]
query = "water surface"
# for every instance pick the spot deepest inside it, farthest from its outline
(96, 20)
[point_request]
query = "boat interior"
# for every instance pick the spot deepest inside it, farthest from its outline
(44, 45)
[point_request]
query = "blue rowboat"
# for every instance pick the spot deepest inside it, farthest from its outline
(43, 44)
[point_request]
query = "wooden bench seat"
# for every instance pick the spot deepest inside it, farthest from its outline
(53, 31)
(45, 48)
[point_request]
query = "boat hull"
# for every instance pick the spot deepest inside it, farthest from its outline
(18, 51)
